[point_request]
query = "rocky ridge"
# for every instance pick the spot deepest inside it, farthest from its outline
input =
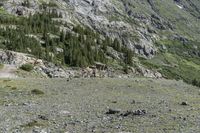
(48, 69)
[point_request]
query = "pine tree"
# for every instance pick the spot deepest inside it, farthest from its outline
(116, 45)
(128, 57)
(62, 37)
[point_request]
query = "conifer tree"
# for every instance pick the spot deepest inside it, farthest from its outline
(116, 45)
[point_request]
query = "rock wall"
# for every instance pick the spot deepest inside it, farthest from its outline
(101, 15)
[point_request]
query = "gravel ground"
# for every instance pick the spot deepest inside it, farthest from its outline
(98, 105)
(8, 71)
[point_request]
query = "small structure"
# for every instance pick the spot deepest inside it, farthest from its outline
(100, 66)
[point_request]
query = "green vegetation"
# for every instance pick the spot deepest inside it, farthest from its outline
(37, 92)
(27, 67)
(39, 35)
(11, 87)
(177, 60)
(196, 82)
(1, 66)
(14, 88)
(32, 124)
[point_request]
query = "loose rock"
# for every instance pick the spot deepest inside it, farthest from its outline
(42, 117)
(113, 111)
(184, 103)
(137, 112)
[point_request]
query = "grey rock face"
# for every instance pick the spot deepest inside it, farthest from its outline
(148, 73)
(9, 57)
(113, 111)
(136, 23)
(104, 16)
(19, 7)
(6, 57)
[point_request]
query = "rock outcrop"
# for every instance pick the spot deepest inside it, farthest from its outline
(48, 69)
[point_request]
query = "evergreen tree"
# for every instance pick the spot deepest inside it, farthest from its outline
(116, 45)
(62, 37)
(128, 57)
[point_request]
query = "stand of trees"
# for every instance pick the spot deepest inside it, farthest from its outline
(81, 48)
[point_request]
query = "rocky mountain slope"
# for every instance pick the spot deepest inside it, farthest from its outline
(138, 23)
(162, 35)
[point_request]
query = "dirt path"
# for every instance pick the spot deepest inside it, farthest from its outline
(8, 71)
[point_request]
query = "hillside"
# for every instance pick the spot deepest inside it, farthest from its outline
(159, 36)
(99, 66)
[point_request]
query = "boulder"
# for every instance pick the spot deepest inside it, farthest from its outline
(113, 111)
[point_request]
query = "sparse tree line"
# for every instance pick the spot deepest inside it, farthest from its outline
(80, 49)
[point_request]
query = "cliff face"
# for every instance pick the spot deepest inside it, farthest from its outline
(138, 24)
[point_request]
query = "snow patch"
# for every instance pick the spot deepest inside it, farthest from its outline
(179, 6)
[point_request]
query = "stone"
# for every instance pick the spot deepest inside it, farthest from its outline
(133, 102)
(132, 113)
(184, 103)
(139, 112)
(113, 111)
(148, 73)
(42, 117)
(114, 101)
(127, 113)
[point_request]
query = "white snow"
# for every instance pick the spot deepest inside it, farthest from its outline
(179, 6)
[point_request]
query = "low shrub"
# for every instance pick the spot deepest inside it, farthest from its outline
(37, 92)
(27, 67)
(13, 88)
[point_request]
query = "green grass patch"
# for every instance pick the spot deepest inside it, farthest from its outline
(174, 67)
(27, 67)
(178, 61)
(37, 92)
(1, 66)
(32, 124)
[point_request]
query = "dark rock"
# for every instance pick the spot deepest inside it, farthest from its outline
(133, 102)
(182, 39)
(42, 117)
(139, 112)
(19, 12)
(153, 116)
(174, 118)
(178, 1)
(36, 131)
(113, 111)
(114, 101)
(184, 103)
(127, 113)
